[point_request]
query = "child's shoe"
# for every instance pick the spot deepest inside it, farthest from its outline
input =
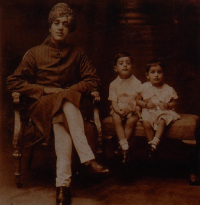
(124, 150)
(154, 142)
(122, 154)
(152, 153)
(125, 156)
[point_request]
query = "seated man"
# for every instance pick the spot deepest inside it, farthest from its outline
(55, 75)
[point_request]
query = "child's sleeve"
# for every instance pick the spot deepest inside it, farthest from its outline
(112, 93)
(140, 88)
(173, 94)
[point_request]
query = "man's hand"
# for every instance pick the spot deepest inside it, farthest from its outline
(48, 90)
(96, 96)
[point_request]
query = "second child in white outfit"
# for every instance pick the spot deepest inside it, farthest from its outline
(122, 93)
(157, 100)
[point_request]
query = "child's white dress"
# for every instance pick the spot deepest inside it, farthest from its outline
(156, 95)
(124, 92)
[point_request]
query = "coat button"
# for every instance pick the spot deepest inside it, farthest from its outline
(58, 55)
(33, 96)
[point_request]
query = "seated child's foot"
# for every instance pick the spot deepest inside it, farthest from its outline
(125, 156)
(154, 142)
(152, 152)
(124, 150)
(153, 146)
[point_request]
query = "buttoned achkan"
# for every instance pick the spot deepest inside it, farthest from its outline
(47, 65)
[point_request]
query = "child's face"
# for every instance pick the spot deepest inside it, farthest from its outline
(155, 75)
(124, 67)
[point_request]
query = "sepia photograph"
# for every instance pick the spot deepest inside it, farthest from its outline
(99, 102)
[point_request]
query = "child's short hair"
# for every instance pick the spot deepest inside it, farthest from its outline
(122, 54)
(154, 62)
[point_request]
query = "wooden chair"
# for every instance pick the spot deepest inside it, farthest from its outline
(186, 130)
(20, 120)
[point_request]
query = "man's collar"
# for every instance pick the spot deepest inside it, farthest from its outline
(48, 41)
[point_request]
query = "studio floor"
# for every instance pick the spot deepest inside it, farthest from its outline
(141, 182)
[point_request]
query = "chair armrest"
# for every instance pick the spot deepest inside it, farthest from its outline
(15, 96)
(17, 120)
(97, 120)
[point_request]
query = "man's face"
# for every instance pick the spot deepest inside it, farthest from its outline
(59, 30)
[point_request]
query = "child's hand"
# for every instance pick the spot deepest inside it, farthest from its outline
(122, 112)
(137, 110)
(96, 96)
(150, 105)
(163, 106)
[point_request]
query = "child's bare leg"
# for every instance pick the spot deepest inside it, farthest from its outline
(130, 125)
(120, 131)
(161, 128)
(148, 129)
(158, 135)
(118, 126)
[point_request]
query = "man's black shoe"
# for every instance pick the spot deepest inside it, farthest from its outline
(95, 168)
(63, 196)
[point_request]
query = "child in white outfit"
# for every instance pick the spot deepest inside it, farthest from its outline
(157, 100)
(122, 93)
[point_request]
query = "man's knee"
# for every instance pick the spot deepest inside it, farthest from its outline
(67, 105)
(70, 109)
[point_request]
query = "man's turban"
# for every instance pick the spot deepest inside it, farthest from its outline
(62, 10)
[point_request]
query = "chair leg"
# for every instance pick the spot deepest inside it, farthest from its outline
(100, 146)
(17, 155)
(194, 161)
(194, 167)
(31, 157)
(97, 125)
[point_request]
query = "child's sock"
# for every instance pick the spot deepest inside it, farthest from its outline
(154, 142)
(124, 144)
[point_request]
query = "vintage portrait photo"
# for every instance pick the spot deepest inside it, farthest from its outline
(100, 102)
